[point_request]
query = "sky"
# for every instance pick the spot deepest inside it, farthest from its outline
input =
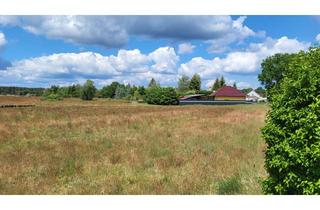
(40, 51)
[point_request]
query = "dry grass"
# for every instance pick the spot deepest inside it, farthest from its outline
(112, 147)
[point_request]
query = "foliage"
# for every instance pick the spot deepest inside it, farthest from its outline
(206, 92)
(235, 85)
(122, 92)
(109, 90)
(52, 94)
(292, 130)
(161, 96)
(88, 90)
(21, 91)
(246, 90)
(195, 83)
(52, 97)
(183, 84)
(216, 84)
(142, 90)
(222, 81)
(153, 83)
(274, 68)
(74, 91)
(261, 91)
(137, 96)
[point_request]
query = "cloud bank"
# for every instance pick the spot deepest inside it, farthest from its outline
(114, 31)
(132, 66)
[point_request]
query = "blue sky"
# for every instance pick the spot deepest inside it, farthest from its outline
(38, 51)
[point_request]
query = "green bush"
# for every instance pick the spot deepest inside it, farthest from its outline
(292, 130)
(161, 96)
(52, 94)
(88, 90)
(52, 97)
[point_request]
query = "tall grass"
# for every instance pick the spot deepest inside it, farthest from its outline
(112, 147)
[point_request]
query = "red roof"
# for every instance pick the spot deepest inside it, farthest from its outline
(228, 91)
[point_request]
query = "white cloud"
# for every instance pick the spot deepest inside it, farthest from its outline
(236, 32)
(3, 40)
(137, 68)
(186, 48)
(114, 31)
(65, 68)
(242, 85)
(247, 61)
(318, 38)
(165, 60)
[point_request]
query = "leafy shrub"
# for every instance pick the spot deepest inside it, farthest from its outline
(52, 94)
(161, 96)
(230, 186)
(88, 91)
(292, 130)
(52, 97)
(206, 92)
(122, 92)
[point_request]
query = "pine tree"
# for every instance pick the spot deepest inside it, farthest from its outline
(222, 82)
(195, 83)
(235, 85)
(153, 83)
(216, 84)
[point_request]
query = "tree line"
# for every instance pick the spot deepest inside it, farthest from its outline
(116, 90)
(21, 91)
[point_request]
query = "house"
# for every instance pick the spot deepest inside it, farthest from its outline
(228, 93)
(255, 97)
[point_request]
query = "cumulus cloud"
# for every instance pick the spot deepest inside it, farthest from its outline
(236, 32)
(242, 85)
(244, 62)
(114, 31)
(3, 40)
(104, 30)
(135, 67)
(318, 38)
(165, 60)
(128, 65)
(186, 48)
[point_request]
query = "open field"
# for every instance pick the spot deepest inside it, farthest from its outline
(114, 147)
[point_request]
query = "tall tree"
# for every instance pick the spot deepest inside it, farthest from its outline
(88, 90)
(122, 91)
(142, 90)
(183, 84)
(274, 68)
(216, 84)
(235, 85)
(153, 83)
(109, 90)
(195, 83)
(222, 81)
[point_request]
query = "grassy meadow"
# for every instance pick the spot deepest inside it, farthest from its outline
(116, 147)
